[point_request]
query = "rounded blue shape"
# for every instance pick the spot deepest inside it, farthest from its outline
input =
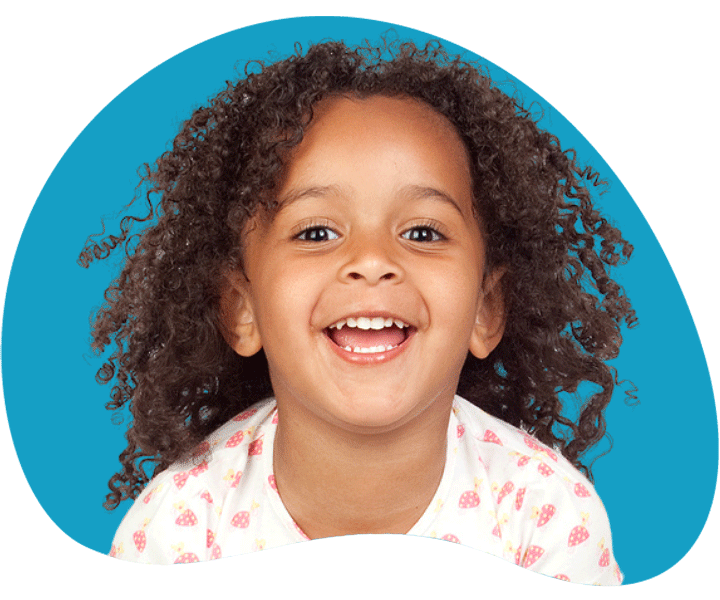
(638, 480)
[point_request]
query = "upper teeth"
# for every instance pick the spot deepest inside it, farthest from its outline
(366, 323)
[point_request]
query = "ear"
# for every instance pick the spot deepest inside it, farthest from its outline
(237, 317)
(490, 319)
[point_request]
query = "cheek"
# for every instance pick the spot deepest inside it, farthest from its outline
(456, 288)
(285, 298)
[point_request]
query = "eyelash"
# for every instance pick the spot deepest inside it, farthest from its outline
(432, 227)
(307, 230)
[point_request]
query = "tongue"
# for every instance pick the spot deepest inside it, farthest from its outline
(367, 338)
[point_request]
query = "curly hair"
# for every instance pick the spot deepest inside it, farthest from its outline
(171, 365)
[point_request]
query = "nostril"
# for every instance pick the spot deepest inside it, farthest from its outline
(355, 275)
(370, 269)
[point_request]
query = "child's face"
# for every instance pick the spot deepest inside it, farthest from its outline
(375, 221)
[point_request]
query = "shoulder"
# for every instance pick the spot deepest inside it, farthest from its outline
(550, 516)
(244, 431)
(173, 518)
(503, 448)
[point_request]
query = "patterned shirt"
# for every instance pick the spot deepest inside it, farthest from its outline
(502, 492)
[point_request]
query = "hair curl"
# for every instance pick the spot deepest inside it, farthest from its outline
(177, 374)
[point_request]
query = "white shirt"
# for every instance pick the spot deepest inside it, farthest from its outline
(501, 492)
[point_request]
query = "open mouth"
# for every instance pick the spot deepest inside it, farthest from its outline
(369, 335)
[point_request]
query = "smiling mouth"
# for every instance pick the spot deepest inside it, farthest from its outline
(369, 335)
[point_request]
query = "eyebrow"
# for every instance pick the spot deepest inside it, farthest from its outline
(419, 192)
(311, 192)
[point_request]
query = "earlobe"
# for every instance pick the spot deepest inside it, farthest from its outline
(490, 318)
(237, 317)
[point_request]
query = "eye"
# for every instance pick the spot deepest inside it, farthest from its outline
(316, 234)
(423, 233)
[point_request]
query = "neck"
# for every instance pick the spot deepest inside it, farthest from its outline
(335, 482)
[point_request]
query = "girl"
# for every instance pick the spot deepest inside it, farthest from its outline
(370, 278)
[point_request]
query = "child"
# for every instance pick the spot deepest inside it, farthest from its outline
(344, 242)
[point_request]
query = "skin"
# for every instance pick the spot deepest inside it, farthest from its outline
(375, 218)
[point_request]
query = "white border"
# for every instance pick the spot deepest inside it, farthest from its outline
(637, 79)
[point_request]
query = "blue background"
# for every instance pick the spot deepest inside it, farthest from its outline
(657, 482)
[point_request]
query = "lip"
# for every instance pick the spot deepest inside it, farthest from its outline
(374, 358)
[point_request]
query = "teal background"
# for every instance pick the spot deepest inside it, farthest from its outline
(657, 482)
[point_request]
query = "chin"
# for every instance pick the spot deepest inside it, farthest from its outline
(375, 416)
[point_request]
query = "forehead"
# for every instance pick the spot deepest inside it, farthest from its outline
(382, 119)
(346, 110)
(379, 140)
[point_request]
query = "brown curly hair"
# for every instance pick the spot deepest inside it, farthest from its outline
(180, 378)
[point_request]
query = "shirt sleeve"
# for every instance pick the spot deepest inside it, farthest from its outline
(172, 521)
(563, 531)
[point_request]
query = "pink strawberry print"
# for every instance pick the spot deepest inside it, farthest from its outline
(147, 498)
(618, 575)
(546, 513)
(492, 438)
(523, 460)
(271, 482)
(275, 418)
(449, 537)
(201, 468)
(140, 540)
(469, 499)
(518, 555)
(187, 519)
(244, 416)
(255, 448)
(460, 430)
(581, 491)
(496, 531)
(235, 440)
(506, 489)
(519, 497)
(544, 470)
(216, 553)
(532, 554)
(207, 497)
(577, 536)
(180, 478)
(210, 538)
(241, 519)
(532, 444)
(236, 479)
(550, 454)
(562, 577)
(113, 551)
(188, 557)
(605, 558)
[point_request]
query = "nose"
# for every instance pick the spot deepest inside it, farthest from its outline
(372, 261)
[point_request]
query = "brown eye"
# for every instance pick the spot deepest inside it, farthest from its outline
(423, 234)
(316, 234)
